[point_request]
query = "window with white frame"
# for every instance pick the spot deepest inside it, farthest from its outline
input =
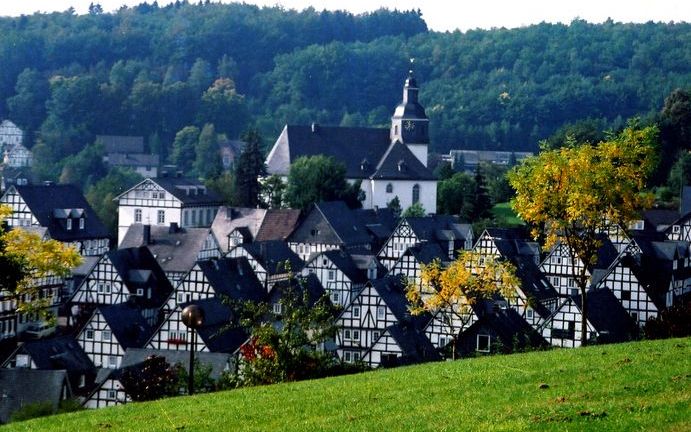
(676, 229)
(161, 217)
(442, 341)
(138, 215)
(331, 275)
(347, 356)
(375, 335)
(335, 297)
(529, 313)
(89, 334)
(482, 343)
(346, 335)
(81, 223)
(381, 312)
(356, 311)
(112, 361)
(356, 335)
(356, 356)
(278, 308)
(112, 394)
(556, 281)
(69, 224)
(107, 335)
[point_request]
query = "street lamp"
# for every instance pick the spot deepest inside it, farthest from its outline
(193, 318)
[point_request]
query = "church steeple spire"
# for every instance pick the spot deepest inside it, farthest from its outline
(409, 123)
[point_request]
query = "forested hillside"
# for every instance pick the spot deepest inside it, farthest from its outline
(153, 70)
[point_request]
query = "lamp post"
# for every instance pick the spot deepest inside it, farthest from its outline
(193, 318)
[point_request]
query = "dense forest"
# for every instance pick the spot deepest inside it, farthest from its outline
(153, 71)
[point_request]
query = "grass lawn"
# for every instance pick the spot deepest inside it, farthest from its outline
(505, 215)
(634, 386)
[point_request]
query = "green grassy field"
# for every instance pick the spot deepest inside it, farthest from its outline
(635, 386)
(505, 215)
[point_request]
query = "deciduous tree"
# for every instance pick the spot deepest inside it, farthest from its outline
(574, 193)
(250, 166)
(313, 179)
(452, 291)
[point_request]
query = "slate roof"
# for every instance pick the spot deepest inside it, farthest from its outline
(43, 200)
(315, 290)
(349, 145)
(133, 160)
(273, 255)
(190, 192)
(685, 202)
(415, 346)
(278, 224)
(60, 353)
(122, 144)
(218, 361)
(230, 218)
(399, 163)
(608, 316)
(331, 222)
(127, 324)
(21, 387)
(427, 252)
(139, 269)
(431, 228)
(534, 283)
(659, 219)
(175, 249)
(391, 289)
(345, 263)
(215, 332)
(507, 324)
(233, 277)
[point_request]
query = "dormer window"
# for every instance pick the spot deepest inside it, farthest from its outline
(81, 223)
(69, 224)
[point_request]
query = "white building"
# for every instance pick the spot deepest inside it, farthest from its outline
(389, 162)
(166, 200)
(10, 134)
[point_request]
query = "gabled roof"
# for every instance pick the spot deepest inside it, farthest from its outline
(21, 387)
(217, 361)
(331, 222)
(350, 145)
(534, 283)
(275, 256)
(310, 284)
(345, 263)
(127, 324)
(133, 160)
(685, 203)
(507, 324)
(608, 316)
(437, 227)
(391, 289)
(659, 219)
(216, 333)
(233, 277)
(175, 249)
(515, 248)
(122, 144)
(43, 200)
(399, 163)
(427, 252)
(58, 353)
(278, 224)
(415, 346)
(190, 192)
(138, 268)
(230, 218)
(379, 222)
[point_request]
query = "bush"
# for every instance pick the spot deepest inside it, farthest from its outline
(670, 323)
(150, 380)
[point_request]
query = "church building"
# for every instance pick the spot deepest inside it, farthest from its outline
(389, 162)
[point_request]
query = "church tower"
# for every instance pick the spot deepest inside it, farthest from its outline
(409, 123)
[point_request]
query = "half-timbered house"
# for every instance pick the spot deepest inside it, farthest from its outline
(166, 200)
(272, 261)
(176, 249)
(328, 226)
(401, 344)
(64, 213)
(215, 335)
(125, 275)
(607, 321)
(338, 274)
(378, 306)
(110, 331)
(236, 225)
(447, 231)
(23, 387)
(108, 390)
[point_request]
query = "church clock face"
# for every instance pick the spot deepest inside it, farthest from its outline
(409, 125)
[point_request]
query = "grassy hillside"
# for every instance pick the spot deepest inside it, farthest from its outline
(505, 215)
(635, 386)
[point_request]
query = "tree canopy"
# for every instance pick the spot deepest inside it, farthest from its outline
(571, 194)
(315, 178)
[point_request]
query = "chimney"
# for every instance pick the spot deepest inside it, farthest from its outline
(146, 235)
(48, 183)
(174, 227)
(315, 127)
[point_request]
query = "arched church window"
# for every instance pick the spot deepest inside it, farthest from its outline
(389, 188)
(416, 193)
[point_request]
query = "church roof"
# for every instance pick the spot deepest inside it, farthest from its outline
(349, 145)
(399, 163)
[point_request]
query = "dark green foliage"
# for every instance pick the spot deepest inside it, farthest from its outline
(284, 347)
(183, 154)
(675, 131)
(248, 168)
(27, 108)
(583, 131)
(153, 379)
(207, 163)
(42, 409)
(483, 204)
(680, 174)
(273, 190)
(313, 179)
(455, 196)
(444, 171)
(224, 185)
(395, 206)
(13, 269)
(415, 210)
(203, 383)
(86, 167)
(670, 323)
(101, 195)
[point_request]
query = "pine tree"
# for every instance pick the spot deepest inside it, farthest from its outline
(482, 200)
(250, 166)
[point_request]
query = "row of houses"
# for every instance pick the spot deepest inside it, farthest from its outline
(129, 299)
